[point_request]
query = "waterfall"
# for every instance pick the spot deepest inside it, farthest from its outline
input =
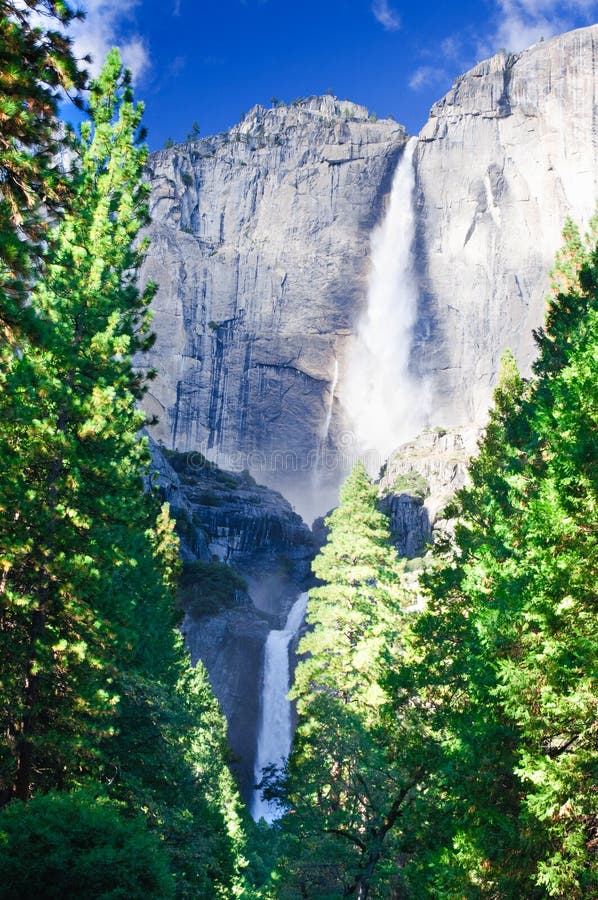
(384, 404)
(328, 419)
(275, 732)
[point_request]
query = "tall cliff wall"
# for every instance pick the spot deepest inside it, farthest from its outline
(259, 244)
(505, 157)
(260, 247)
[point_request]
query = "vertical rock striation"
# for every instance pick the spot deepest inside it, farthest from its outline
(259, 243)
(506, 156)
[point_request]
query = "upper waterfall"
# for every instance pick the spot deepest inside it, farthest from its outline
(384, 403)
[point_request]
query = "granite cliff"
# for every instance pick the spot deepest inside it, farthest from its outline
(259, 245)
(505, 157)
(260, 248)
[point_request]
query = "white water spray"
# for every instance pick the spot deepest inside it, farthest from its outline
(384, 403)
(328, 419)
(275, 732)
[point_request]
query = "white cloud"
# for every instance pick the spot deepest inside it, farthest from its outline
(427, 76)
(512, 25)
(108, 24)
(386, 15)
(451, 48)
(523, 22)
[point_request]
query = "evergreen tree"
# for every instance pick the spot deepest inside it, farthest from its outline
(96, 685)
(72, 462)
(546, 683)
(474, 794)
(75, 846)
(347, 790)
(510, 637)
(35, 62)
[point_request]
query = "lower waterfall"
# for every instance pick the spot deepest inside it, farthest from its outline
(275, 732)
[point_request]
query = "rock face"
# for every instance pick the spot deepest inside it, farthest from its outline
(259, 244)
(506, 156)
(418, 481)
(260, 247)
(228, 517)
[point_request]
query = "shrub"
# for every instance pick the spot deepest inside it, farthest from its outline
(207, 498)
(68, 846)
(411, 482)
(206, 588)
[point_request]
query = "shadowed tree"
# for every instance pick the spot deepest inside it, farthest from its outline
(511, 626)
(36, 62)
(96, 686)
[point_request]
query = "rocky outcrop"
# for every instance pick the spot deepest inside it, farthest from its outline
(259, 245)
(418, 481)
(226, 517)
(506, 156)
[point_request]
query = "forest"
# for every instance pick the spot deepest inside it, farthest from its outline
(447, 739)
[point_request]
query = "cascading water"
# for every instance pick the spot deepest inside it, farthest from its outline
(384, 403)
(321, 494)
(333, 387)
(276, 731)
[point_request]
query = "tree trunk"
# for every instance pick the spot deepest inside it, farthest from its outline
(361, 885)
(24, 774)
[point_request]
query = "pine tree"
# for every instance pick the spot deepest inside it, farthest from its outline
(547, 686)
(35, 62)
(510, 640)
(469, 841)
(346, 789)
(96, 686)
(71, 460)
(73, 845)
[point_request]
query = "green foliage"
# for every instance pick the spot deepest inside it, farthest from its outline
(193, 135)
(345, 795)
(74, 516)
(95, 680)
(77, 846)
(183, 462)
(208, 587)
(411, 482)
(35, 62)
(169, 755)
(511, 636)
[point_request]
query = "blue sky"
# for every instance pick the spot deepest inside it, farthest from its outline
(210, 60)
